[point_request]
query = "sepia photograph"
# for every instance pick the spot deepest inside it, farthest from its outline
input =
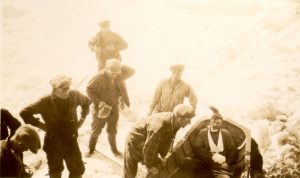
(150, 89)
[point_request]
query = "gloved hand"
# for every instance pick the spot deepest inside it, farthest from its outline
(218, 158)
(104, 110)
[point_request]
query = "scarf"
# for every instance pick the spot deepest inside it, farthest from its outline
(213, 147)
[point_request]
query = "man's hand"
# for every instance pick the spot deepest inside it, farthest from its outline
(224, 165)
(153, 170)
(80, 122)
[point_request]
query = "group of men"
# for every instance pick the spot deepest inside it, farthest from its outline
(148, 141)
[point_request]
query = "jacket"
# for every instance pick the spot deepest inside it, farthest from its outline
(202, 149)
(11, 163)
(102, 40)
(152, 136)
(102, 87)
(166, 96)
(8, 122)
(54, 122)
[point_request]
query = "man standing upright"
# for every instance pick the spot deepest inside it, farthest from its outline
(61, 123)
(171, 92)
(104, 90)
(150, 139)
(107, 44)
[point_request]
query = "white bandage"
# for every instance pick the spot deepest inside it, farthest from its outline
(218, 158)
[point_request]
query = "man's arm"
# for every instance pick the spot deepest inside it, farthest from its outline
(121, 43)
(201, 149)
(156, 98)
(151, 149)
(126, 72)
(192, 97)
(92, 87)
(94, 44)
(84, 102)
(230, 147)
(27, 114)
(10, 120)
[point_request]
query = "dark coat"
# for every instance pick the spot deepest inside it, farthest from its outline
(54, 122)
(202, 149)
(11, 164)
(102, 88)
(8, 122)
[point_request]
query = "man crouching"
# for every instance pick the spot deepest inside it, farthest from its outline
(150, 139)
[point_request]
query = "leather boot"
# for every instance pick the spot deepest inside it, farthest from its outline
(113, 145)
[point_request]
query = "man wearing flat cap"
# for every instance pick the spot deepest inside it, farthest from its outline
(11, 151)
(106, 44)
(151, 138)
(172, 91)
(60, 122)
(104, 89)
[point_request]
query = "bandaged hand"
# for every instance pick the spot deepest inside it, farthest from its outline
(218, 158)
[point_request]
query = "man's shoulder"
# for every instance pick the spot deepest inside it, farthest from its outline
(204, 130)
(164, 82)
(225, 132)
(159, 120)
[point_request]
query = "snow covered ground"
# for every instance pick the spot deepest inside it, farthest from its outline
(241, 56)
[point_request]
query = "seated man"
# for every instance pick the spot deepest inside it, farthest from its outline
(215, 149)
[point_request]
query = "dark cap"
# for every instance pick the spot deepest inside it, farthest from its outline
(30, 137)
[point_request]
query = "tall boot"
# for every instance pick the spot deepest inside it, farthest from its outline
(113, 145)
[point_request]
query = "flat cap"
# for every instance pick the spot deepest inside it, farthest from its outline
(61, 81)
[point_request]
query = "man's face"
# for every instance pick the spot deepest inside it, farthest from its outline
(176, 76)
(21, 147)
(184, 121)
(104, 29)
(62, 92)
(216, 123)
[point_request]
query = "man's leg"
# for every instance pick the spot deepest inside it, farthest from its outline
(130, 162)
(112, 124)
(55, 163)
(97, 126)
(74, 161)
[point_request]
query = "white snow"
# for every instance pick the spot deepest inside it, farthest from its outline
(241, 56)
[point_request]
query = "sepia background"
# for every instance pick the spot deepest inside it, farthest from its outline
(242, 56)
